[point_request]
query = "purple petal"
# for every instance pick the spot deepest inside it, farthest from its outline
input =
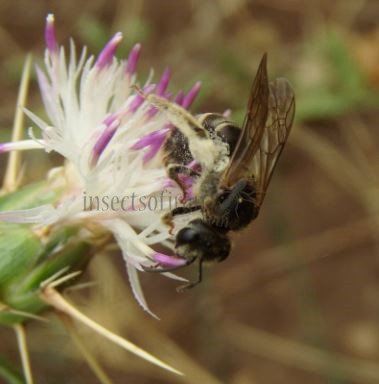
(110, 119)
(133, 59)
(103, 141)
(106, 55)
(136, 103)
(163, 82)
(140, 98)
(168, 183)
(169, 261)
(179, 98)
(152, 151)
(160, 91)
(194, 165)
(153, 141)
(189, 194)
(50, 36)
(151, 112)
(186, 180)
(188, 183)
(150, 138)
(191, 95)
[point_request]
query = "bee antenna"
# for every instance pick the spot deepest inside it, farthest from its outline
(138, 90)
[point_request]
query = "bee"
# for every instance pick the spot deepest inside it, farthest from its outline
(236, 166)
(177, 155)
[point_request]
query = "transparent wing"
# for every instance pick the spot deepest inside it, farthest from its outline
(257, 159)
(281, 105)
(252, 128)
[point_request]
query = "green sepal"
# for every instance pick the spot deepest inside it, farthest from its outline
(57, 239)
(24, 293)
(19, 250)
(30, 196)
(26, 261)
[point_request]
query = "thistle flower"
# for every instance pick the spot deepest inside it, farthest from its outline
(110, 138)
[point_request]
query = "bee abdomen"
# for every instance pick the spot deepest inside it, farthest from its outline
(176, 149)
(229, 133)
(219, 125)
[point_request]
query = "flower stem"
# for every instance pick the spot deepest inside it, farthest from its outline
(23, 348)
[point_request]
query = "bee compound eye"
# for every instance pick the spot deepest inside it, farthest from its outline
(187, 235)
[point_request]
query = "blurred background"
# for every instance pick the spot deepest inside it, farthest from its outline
(298, 299)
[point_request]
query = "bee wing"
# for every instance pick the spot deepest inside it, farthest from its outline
(281, 106)
(252, 128)
(258, 157)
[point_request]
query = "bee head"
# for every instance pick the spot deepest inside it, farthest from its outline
(198, 240)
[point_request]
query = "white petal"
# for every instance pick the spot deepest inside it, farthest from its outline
(137, 290)
(45, 214)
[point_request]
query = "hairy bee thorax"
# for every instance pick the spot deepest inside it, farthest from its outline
(233, 208)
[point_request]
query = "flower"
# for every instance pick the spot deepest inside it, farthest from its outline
(110, 138)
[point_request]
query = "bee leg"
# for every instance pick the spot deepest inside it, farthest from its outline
(173, 172)
(182, 288)
(168, 217)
